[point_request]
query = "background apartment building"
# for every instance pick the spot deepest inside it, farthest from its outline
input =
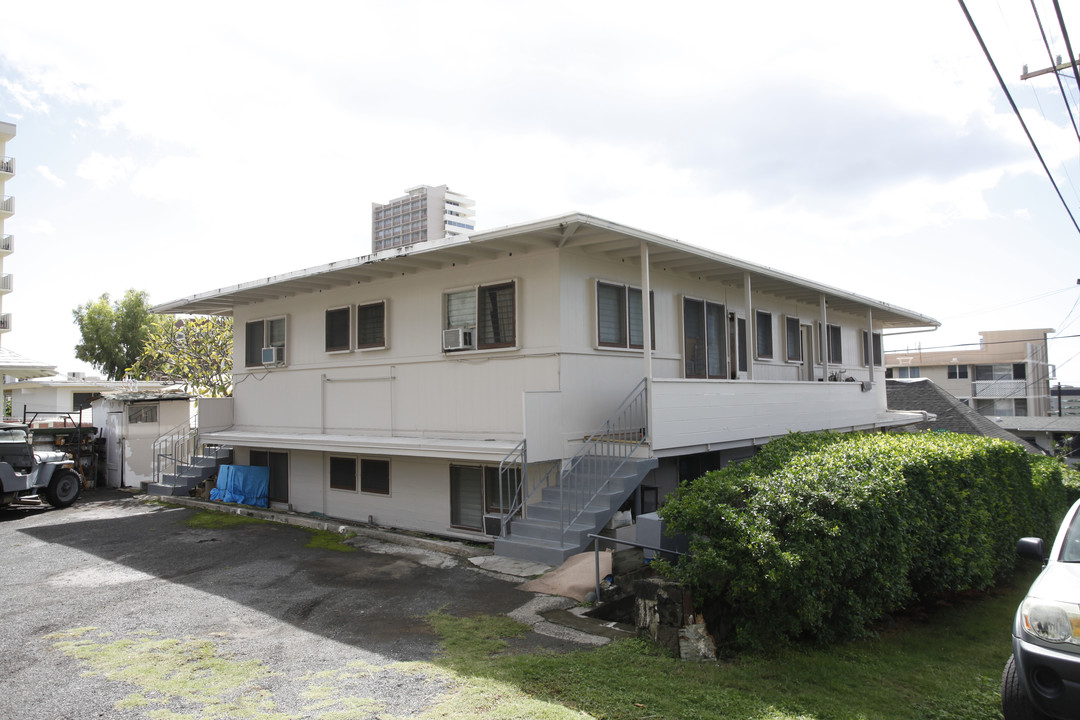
(7, 208)
(1008, 375)
(423, 213)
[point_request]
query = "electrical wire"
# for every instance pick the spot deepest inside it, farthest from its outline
(1011, 304)
(1016, 110)
(1050, 55)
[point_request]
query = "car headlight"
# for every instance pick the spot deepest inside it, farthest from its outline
(1055, 622)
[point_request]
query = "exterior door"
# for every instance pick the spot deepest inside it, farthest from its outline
(114, 449)
(807, 372)
(278, 462)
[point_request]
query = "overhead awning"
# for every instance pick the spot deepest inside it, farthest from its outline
(12, 364)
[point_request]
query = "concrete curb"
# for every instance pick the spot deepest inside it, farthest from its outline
(318, 523)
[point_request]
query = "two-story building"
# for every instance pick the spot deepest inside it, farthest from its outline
(531, 379)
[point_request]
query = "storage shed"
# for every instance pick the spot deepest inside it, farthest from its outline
(130, 422)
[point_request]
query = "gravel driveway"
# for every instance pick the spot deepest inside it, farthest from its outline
(117, 608)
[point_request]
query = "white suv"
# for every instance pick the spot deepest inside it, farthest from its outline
(1042, 677)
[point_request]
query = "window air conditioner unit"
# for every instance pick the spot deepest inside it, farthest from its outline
(273, 356)
(457, 339)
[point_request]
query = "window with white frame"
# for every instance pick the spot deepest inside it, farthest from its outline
(338, 323)
(958, 372)
(620, 318)
(143, 414)
(343, 473)
(259, 334)
(793, 343)
(375, 476)
(488, 310)
(835, 344)
(878, 356)
(705, 333)
(763, 332)
(371, 326)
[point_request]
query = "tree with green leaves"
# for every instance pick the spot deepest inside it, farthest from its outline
(114, 333)
(195, 351)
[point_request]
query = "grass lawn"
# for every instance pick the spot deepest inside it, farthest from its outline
(943, 664)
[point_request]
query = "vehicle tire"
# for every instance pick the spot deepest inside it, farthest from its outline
(63, 488)
(1014, 703)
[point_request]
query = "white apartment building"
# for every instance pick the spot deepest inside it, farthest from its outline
(1007, 375)
(7, 208)
(525, 383)
(423, 213)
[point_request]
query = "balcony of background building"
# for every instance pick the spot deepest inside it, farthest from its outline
(7, 244)
(999, 388)
(5, 322)
(7, 166)
(7, 206)
(6, 283)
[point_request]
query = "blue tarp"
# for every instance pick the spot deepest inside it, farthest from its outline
(243, 484)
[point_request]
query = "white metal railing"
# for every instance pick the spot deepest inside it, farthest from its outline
(7, 243)
(586, 474)
(7, 165)
(5, 322)
(175, 448)
(1000, 388)
(7, 204)
(6, 282)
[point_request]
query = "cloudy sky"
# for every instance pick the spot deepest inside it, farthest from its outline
(178, 148)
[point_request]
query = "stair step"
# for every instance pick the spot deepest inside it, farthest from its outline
(543, 551)
(546, 530)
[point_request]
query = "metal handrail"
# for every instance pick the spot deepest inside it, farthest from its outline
(530, 479)
(590, 470)
(175, 447)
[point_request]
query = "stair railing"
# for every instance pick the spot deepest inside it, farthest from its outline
(589, 472)
(175, 448)
(586, 474)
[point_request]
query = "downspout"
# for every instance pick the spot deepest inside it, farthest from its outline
(750, 329)
(646, 340)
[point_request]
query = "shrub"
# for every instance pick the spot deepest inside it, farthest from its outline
(819, 535)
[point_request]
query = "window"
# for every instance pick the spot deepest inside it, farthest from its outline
(371, 326)
(620, 319)
(902, 373)
(143, 414)
(263, 333)
(375, 476)
(475, 491)
(278, 462)
(1001, 371)
(958, 372)
(337, 329)
(763, 333)
(704, 339)
(793, 339)
(877, 350)
(489, 309)
(82, 400)
(835, 343)
(1001, 407)
(741, 326)
(343, 473)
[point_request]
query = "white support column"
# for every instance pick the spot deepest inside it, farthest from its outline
(870, 342)
(647, 333)
(749, 326)
(824, 340)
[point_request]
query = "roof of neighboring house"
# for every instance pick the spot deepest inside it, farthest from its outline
(17, 366)
(140, 396)
(952, 414)
(1054, 424)
(573, 230)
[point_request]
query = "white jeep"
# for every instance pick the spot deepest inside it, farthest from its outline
(24, 471)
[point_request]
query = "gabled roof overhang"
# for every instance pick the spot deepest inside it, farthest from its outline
(576, 231)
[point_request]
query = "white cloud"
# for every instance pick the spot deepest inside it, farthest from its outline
(105, 171)
(46, 173)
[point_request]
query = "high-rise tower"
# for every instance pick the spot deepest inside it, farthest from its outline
(423, 213)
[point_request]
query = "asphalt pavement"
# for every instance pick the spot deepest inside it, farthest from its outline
(117, 608)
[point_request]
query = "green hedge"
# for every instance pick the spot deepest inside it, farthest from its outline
(819, 535)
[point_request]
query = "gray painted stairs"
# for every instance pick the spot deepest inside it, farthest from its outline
(536, 536)
(189, 474)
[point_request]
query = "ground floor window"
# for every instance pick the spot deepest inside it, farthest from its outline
(475, 490)
(278, 462)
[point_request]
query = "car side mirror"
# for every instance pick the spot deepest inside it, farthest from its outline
(1031, 548)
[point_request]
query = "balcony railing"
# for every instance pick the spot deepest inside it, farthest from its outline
(6, 283)
(1000, 388)
(5, 322)
(7, 165)
(7, 204)
(7, 244)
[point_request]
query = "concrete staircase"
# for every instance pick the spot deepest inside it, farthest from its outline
(546, 534)
(189, 473)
